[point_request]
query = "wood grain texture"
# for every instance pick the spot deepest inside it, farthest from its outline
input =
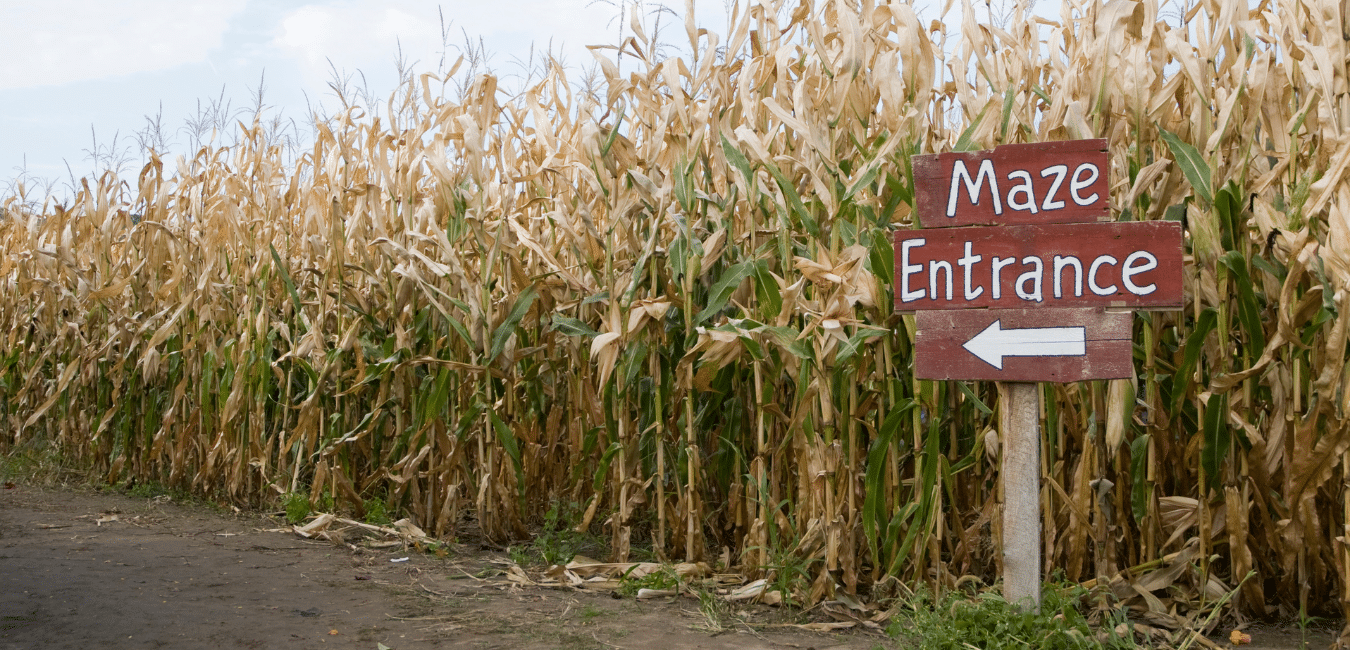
(933, 183)
(938, 351)
(929, 273)
(1019, 428)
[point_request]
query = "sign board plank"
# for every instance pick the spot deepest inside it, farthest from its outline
(1136, 264)
(1055, 345)
(1038, 183)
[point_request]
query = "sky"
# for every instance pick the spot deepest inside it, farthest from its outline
(83, 76)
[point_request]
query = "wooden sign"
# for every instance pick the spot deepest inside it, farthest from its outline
(1043, 182)
(1048, 273)
(1135, 264)
(1058, 345)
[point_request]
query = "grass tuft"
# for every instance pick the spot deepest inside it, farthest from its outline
(959, 621)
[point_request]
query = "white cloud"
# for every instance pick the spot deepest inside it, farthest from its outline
(56, 42)
(366, 34)
(578, 22)
(356, 35)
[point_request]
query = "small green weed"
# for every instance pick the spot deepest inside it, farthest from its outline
(557, 541)
(376, 512)
(437, 548)
(297, 508)
(590, 612)
(663, 578)
(959, 621)
(789, 574)
(142, 491)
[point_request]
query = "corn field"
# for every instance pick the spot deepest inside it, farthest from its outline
(667, 298)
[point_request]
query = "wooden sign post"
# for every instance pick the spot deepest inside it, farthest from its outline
(1020, 470)
(1010, 282)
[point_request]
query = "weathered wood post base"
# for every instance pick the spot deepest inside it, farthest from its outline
(1019, 427)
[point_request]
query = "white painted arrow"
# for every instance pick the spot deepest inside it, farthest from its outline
(994, 343)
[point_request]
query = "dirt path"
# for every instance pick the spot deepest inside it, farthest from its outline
(84, 569)
(80, 569)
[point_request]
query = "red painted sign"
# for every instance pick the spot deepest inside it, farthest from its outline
(1127, 264)
(1038, 183)
(1059, 345)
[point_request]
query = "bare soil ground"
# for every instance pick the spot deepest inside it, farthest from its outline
(87, 569)
(84, 569)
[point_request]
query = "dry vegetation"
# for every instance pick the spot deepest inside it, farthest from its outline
(667, 299)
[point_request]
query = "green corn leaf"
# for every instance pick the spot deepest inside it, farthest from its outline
(766, 289)
(1249, 313)
(739, 161)
(310, 373)
(1275, 270)
(602, 470)
(509, 443)
(723, 288)
(613, 134)
(634, 361)
(440, 393)
(683, 188)
(503, 331)
(869, 176)
(1192, 164)
(459, 329)
(572, 327)
(970, 395)
(1141, 491)
(1228, 203)
(466, 420)
(286, 277)
(875, 499)
(850, 348)
(946, 472)
(1008, 97)
(753, 347)
(882, 257)
(902, 558)
(1191, 354)
(1217, 438)
(786, 338)
(599, 297)
(964, 143)
(926, 492)
(794, 200)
